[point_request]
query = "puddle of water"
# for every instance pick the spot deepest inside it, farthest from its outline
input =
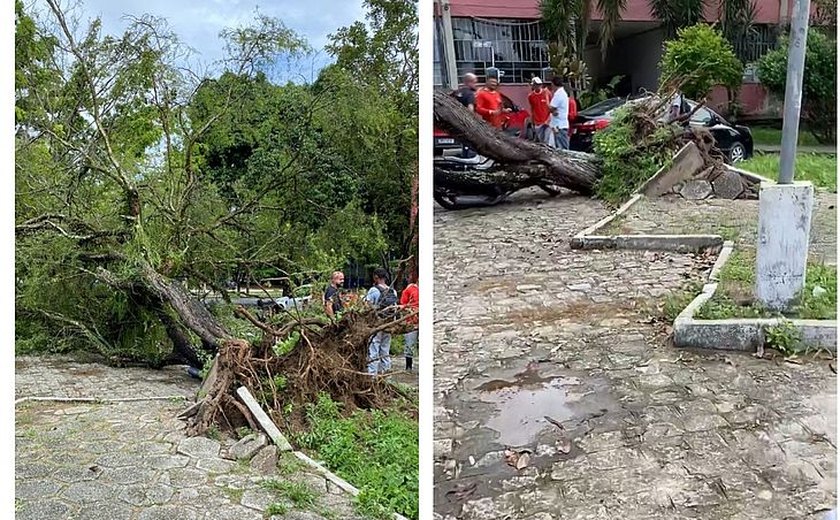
(522, 404)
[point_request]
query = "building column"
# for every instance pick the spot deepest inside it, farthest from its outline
(448, 40)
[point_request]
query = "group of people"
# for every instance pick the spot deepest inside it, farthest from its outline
(553, 106)
(381, 295)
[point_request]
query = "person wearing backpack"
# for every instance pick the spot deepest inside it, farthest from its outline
(383, 298)
(410, 301)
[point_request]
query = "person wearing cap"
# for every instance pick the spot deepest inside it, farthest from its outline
(539, 98)
(488, 103)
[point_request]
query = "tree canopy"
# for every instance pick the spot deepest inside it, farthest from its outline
(135, 174)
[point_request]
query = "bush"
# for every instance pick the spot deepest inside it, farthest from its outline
(818, 84)
(377, 451)
(700, 58)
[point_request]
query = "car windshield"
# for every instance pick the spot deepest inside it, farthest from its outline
(599, 109)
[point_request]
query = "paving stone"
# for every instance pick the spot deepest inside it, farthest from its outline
(106, 511)
(169, 513)
(232, 512)
(85, 492)
(199, 447)
(265, 462)
(248, 446)
(186, 477)
(215, 465)
(42, 510)
(36, 489)
(147, 494)
(258, 499)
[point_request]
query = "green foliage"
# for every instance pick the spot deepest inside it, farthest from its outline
(819, 83)
(698, 59)
(784, 337)
(376, 450)
(287, 345)
(297, 493)
(199, 178)
(676, 302)
(819, 298)
(627, 163)
(734, 296)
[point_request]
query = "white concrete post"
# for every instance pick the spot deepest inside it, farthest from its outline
(784, 228)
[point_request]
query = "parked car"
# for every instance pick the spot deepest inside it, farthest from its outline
(735, 141)
(517, 123)
(300, 298)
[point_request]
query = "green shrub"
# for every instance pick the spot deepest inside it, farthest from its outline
(700, 58)
(377, 451)
(819, 83)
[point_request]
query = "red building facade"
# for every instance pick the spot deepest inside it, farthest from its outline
(471, 35)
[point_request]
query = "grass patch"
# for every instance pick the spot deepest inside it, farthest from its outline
(820, 169)
(734, 296)
(234, 494)
(773, 136)
(675, 302)
(297, 493)
(377, 451)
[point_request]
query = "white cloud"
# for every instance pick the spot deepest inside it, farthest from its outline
(198, 23)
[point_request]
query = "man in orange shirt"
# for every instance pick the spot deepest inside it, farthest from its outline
(539, 99)
(488, 103)
(410, 300)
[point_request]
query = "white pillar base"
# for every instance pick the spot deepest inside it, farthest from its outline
(784, 228)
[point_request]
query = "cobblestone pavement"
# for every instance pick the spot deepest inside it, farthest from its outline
(527, 329)
(132, 460)
(733, 219)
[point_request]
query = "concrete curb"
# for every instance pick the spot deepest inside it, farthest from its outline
(588, 238)
(741, 334)
(676, 243)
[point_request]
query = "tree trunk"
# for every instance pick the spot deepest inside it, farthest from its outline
(193, 314)
(573, 170)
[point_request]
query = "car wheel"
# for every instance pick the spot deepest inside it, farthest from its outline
(737, 153)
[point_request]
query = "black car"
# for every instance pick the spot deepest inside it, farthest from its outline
(735, 141)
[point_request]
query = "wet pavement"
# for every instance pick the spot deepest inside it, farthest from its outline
(550, 356)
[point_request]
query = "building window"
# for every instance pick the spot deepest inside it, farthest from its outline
(760, 40)
(516, 47)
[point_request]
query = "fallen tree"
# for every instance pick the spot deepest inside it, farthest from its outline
(293, 364)
(119, 210)
(637, 143)
(521, 159)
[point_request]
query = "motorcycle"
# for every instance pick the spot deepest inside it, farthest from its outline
(464, 182)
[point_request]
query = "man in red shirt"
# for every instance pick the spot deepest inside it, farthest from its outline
(410, 300)
(539, 99)
(488, 104)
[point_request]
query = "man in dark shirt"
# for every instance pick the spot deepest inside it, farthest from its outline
(332, 296)
(466, 94)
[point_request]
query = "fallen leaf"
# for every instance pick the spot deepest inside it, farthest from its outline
(461, 491)
(523, 461)
(555, 422)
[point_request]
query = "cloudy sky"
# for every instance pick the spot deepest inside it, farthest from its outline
(198, 22)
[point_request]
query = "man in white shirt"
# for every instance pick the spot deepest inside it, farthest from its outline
(559, 107)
